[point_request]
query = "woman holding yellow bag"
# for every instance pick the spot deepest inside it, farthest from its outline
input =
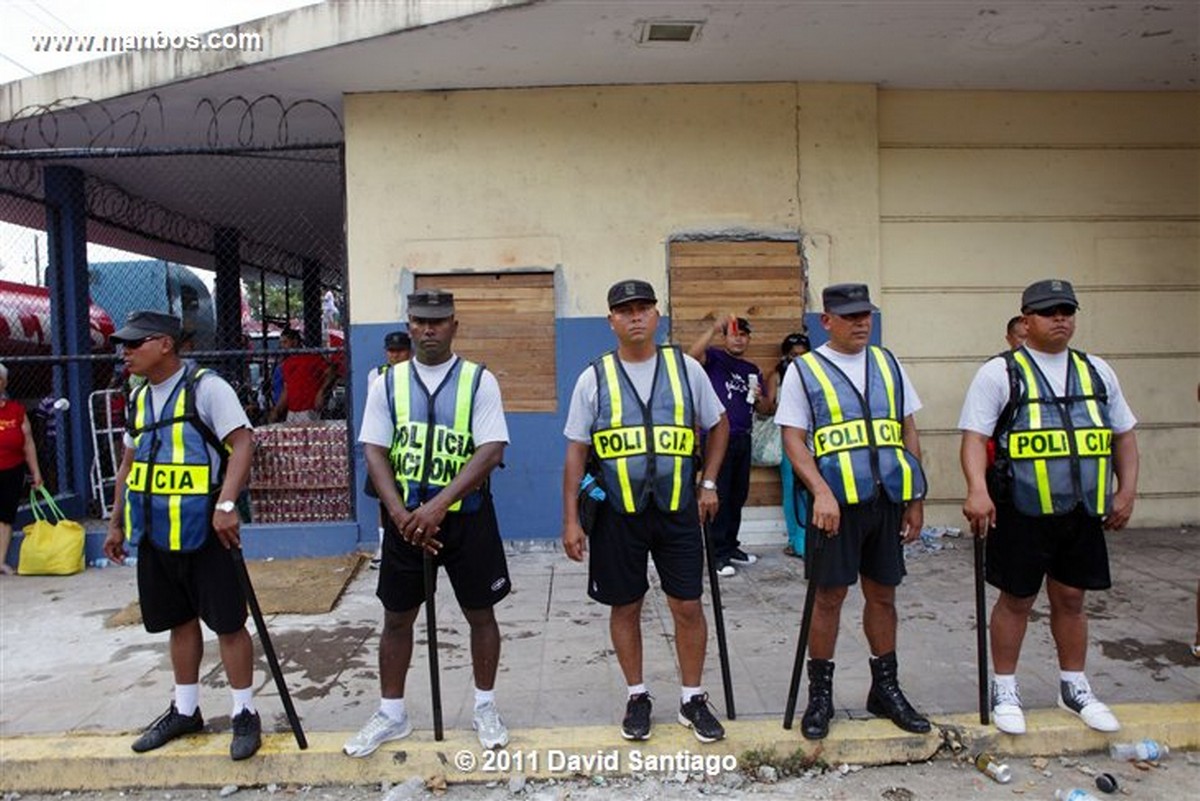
(17, 453)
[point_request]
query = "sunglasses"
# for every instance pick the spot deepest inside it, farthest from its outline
(134, 344)
(1055, 311)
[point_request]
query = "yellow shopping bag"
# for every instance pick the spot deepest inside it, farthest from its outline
(50, 548)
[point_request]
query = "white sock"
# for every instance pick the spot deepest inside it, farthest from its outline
(1007, 681)
(484, 697)
(686, 693)
(1073, 677)
(187, 698)
(393, 708)
(242, 699)
(637, 689)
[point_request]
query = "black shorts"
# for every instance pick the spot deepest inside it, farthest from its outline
(867, 542)
(472, 554)
(1068, 548)
(620, 544)
(12, 491)
(174, 588)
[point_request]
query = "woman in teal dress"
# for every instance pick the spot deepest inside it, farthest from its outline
(796, 500)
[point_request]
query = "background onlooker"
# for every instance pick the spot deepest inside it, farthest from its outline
(738, 383)
(795, 504)
(17, 453)
(306, 380)
(1016, 331)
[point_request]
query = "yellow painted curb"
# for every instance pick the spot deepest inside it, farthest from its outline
(105, 761)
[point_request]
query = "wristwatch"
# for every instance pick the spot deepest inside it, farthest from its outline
(226, 506)
(708, 484)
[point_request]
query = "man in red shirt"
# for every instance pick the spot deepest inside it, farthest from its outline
(306, 379)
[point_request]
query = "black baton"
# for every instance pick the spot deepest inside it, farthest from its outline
(435, 682)
(719, 620)
(269, 650)
(981, 639)
(812, 563)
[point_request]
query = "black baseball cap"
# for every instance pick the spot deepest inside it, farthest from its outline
(847, 299)
(630, 290)
(397, 340)
(432, 304)
(792, 340)
(1047, 294)
(146, 323)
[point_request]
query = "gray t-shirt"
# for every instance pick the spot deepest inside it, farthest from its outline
(988, 393)
(216, 403)
(794, 409)
(487, 418)
(585, 398)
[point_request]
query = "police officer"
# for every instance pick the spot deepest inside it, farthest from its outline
(433, 430)
(397, 347)
(636, 411)
(187, 456)
(853, 405)
(1062, 431)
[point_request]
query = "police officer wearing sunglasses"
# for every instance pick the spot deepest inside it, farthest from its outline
(188, 448)
(1065, 471)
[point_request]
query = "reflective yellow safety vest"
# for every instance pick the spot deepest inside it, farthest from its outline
(646, 449)
(171, 488)
(857, 438)
(1060, 449)
(432, 439)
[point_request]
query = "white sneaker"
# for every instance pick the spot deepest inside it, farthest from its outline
(740, 557)
(1006, 710)
(490, 728)
(1077, 697)
(726, 570)
(377, 731)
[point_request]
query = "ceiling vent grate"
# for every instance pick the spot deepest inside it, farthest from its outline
(670, 31)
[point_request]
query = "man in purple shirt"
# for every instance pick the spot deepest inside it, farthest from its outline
(739, 384)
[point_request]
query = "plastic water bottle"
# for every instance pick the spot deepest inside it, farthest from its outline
(993, 768)
(1074, 795)
(752, 392)
(1146, 750)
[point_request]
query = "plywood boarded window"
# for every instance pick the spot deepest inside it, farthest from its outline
(506, 321)
(760, 280)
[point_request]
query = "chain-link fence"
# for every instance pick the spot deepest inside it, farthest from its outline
(240, 243)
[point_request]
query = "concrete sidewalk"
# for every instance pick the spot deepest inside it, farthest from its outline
(72, 692)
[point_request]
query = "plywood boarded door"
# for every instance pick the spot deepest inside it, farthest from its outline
(506, 321)
(760, 280)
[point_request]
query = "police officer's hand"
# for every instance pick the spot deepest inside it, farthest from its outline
(227, 526)
(827, 515)
(709, 503)
(980, 513)
(423, 525)
(913, 521)
(1122, 509)
(574, 542)
(114, 543)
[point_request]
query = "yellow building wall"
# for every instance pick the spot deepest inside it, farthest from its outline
(592, 180)
(946, 203)
(983, 193)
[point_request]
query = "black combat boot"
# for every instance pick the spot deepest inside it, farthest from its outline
(886, 700)
(815, 723)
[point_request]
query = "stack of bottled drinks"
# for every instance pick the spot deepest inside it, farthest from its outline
(300, 473)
